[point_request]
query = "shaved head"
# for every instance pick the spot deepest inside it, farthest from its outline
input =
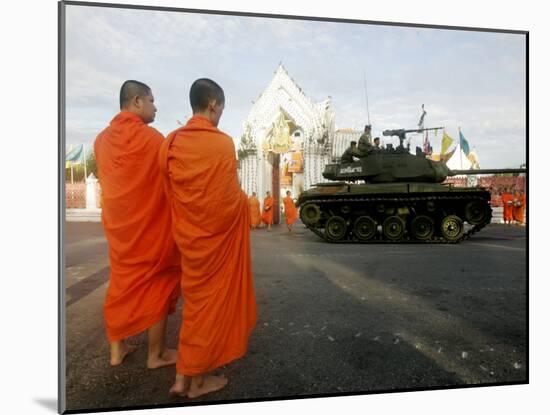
(202, 92)
(131, 89)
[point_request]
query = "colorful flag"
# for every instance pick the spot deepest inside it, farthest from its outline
(75, 155)
(464, 144)
(446, 142)
(427, 146)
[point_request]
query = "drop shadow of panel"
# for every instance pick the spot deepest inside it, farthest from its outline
(48, 403)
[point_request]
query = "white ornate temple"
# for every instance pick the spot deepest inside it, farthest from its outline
(287, 140)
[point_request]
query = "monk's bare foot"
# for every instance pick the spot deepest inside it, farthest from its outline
(119, 353)
(180, 386)
(209, 384)
(167, 358)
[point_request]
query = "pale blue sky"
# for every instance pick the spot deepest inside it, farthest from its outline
(475, 80)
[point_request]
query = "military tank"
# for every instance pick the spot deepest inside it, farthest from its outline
(393, 196)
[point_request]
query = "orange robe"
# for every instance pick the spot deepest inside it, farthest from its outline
(255, 214)
(211, 226)
(145, 271)
(267, 215)
(507, 206)
(291, 213)
(518, 212)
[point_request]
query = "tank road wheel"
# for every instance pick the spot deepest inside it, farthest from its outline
(364, 228)
(452, 228)
(476, 212)
(336, 228)
(310, 214)
(393, 228)
(422, 227)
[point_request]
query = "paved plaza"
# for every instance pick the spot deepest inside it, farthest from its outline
(332, 318)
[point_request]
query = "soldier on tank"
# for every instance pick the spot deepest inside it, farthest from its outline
(377, 146)
(347, 157)
(364, 146)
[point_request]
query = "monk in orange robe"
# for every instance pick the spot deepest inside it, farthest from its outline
(211, 221)
(145, 271)
(255, 214)
(291, 213)
(507, 207)
(267, 215)
(518, 211)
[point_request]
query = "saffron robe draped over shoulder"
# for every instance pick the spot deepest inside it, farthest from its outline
(291, 213)
(518, 211)
(267, 214)
(255, 214)
(211, 226)
(145, 271)
(507, 206)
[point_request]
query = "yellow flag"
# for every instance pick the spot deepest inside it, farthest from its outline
(446, 142)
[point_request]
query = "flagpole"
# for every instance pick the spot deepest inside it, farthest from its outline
(460, 147)
(84, 156)
(367, 97)
(71, 163)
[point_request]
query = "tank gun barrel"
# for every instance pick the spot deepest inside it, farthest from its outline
(486, 171)
(401, 133)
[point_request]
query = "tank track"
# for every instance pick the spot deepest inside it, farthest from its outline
(404, 201)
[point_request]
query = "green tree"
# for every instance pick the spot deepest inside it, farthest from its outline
(78, 169)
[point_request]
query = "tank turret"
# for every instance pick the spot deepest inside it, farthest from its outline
(391, 195)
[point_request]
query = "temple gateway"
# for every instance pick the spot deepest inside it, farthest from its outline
(287, 141)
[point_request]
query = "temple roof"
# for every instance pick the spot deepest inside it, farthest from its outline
(283, 94)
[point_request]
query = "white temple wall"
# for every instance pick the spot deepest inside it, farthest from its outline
(342, 140)
(248, 174)
(314, 120)
(267, 171)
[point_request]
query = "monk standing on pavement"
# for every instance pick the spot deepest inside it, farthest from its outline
(291, 213)
(255, 214)
(211, 221)
(518, 211)
(267, 215)
(507, 206)
(145, 271)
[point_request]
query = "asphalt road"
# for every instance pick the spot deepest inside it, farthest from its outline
(332, 319)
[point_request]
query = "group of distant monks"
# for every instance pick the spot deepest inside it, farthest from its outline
(265, 215)
(513, 206)
(178, 226)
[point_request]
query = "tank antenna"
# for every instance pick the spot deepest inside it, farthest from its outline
(367, 97)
